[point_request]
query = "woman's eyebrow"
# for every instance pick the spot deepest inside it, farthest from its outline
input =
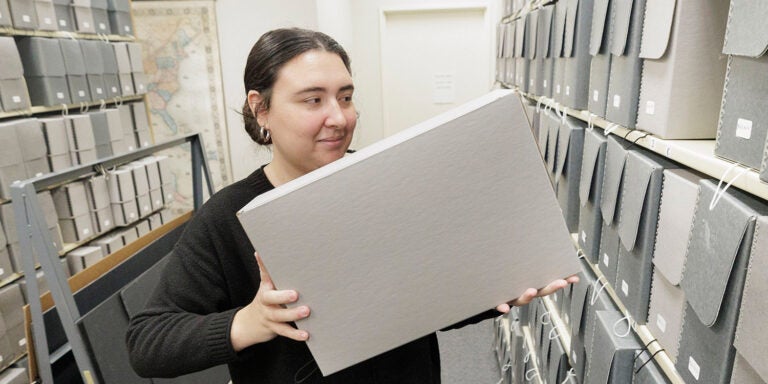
(345, 88)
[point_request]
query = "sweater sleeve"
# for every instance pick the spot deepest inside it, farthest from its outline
(186, 323)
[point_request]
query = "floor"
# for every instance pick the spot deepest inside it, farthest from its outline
(466, 355)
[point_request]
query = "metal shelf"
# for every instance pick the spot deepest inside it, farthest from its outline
(37, 110)
(9, 31)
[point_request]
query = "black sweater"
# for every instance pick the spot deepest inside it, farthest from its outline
(211, 274)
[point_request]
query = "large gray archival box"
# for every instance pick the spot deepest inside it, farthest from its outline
(416, 232)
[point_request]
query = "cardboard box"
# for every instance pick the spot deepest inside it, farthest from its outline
(14, 94)
(143, 138)
(665, 315)
(522, 63)
(6, 267)
(166, 215)
(5, 14)
(100, 16)
(156, 199)
(45, 199)
(78, 228)
(41, 56)
(23, 14)
(558, 73)
(713, 280)
(590, 194)
(48, 90)
(109, 244)
(14, 376)
(578, 24)
(142, 228)
(553, 128)
(94, 67)
(121, 22)
(744, 373)
(570, 146)
(115, 126)
(46, 16)
(614, 353)
(646, 371)
(492, 114)
(41, 282)
(121, 187)
(84, 22)
(641, 195)
(743, 128)
(103, 220)
(97, 192)
(75, 70)
(11, 303)
(139, 113)
(144, 204)
(55, 133)
(80, 135)
(681, 47)
(616, 152)
(12, 67)
(600, 65)
(546, 44)
(139, 82)
(139, 173)
(750, 336)
(31, 140)
(68, 200)
(126, 119)
(125, 212)
(154, 220)
(626, 65)
(129, 235)
(83, 257)
(536, 63)
(9, 223)
(64, 17)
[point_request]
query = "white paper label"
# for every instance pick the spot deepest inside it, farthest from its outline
(128, 88)
(60, 95)
(131, 215)
(567, 319)
(114, 89)
(47, 20)
(693, 367)
(107, 223)
(99, 90)
(616, 101)
(62, 23)
(595, 95)
(22, 342)
(554, 297)
(1, 359)
(169, 196)
(605, 259)
(38, 174)
(16, 99)
(1, 16)
(86, 24)
(81, 93)
(530, 83)
(141, 87)
(26, 18)
(661, 323)
(102, 26)
(2, 271)
(574, 358)
(146, 144)
(127, 29)
(744, 128)
(583, 237)
(650, 108)
(146, 208)
(86, 231)
(545, 83)
(557, 88)
(567, 90)
(158, 202)
(625, 287)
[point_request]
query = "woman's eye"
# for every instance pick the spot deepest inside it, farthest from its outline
(312, 100)
(346, 99)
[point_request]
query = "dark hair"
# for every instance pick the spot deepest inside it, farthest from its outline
(268, 55)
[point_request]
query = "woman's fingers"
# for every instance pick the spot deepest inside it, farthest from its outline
(287, 315)
(274, 297)
(286, 330)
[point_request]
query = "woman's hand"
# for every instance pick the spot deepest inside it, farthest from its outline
(532, 293)
(266, 316)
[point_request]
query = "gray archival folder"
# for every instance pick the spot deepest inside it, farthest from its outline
(416, 232)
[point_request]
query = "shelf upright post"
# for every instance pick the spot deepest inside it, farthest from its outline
(35, 240)
(199, 169)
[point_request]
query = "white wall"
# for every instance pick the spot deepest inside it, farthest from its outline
(241, 22)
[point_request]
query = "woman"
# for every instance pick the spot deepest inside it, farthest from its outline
(216, 303)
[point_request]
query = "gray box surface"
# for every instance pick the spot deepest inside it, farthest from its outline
(83, 257)
(23, 14)
(626, 65)
(12, 67)
(610, 205)
(14, 94)
(613, 355)
(600, 66)
(681, 46)
(744, 373)
(41, 56)
(578, 25)
(568, 169)
(48, 90)
(492, 201)
(590, 193)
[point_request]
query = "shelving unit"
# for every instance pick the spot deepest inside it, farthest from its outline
(8, 31)
(30, 221)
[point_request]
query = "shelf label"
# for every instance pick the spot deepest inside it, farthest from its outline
(595, 95)
(530, 83)
(605, 259)
(693, 367)
(107, 223)
(557, 89)
(650, 107)
(26, 18)
(23, 342)
(102, 26)
(131, 215)
(127, 28)
(62, 22)
(2, 272)
(567, 90)
(744, 128)
(625, 288)
(616, 101)
(99, 90)
(47, 20)
(81, 93)
(114, 89)
(86, 231)
(60, 95)
(86, 24)
(545, 83)
(661, 323)
(16, 99)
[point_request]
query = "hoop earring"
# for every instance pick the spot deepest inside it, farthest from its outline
(264, 133)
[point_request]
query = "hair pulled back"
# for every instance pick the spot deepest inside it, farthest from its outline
(268, 55)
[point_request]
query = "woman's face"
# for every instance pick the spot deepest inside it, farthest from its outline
(311, 117)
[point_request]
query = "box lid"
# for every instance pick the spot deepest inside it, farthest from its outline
(12, 67)
(717, 237)
(41, 56)
(571, 18)
(751, 337)
(73, 57)
(644, 171)
(747, 31)
(579, 301)
(678, 202)
(657, 28)
(573, 129)
(545, 31)
(531, 34)
(593, 160)
(600, 27)
(615, 158)
(561, 11)
(621, 21)
(94, 63)
(613, 350)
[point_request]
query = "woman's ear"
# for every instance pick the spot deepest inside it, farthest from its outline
(255, 103)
